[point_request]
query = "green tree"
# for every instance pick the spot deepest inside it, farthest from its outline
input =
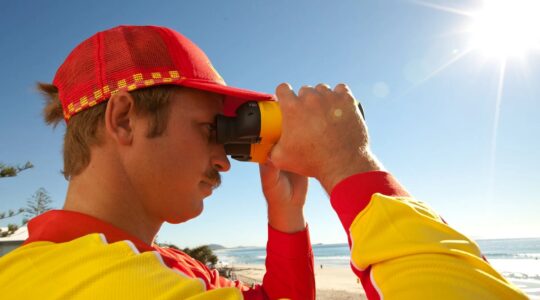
(11, 228)
(12, 171)
(203, 254)
(11, 213)
(38, 204)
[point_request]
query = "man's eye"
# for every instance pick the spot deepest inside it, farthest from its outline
(211, 132)
(210, 127)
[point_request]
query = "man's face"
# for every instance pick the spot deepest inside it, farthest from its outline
(174, 172)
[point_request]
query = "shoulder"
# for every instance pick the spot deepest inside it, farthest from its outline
(90, 265)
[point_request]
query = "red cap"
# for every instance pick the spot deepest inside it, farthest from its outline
(134, 57)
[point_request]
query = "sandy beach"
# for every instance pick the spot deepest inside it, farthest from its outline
(336, 283)
(339, 283)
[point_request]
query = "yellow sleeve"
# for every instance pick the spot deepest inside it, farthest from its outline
(401, 249)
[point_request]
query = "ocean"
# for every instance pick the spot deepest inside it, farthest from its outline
(516, 259)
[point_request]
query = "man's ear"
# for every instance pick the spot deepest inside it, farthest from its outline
(119, 118)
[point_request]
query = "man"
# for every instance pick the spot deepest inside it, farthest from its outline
(140, 103)
(139, 173)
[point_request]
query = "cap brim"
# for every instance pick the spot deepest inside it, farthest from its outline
(234, 96)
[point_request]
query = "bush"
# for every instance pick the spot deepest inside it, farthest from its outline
(203, 254)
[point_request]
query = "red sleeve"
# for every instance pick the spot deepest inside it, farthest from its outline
(289, 268)
(350, 196)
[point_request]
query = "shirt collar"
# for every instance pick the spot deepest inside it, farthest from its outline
(60, 226)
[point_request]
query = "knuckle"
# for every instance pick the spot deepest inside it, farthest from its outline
(305, 89)
(322, 87)
(283, 89)
(283, 85)
(341, 87)
(312, 96)
(277, 157)
(308, 94)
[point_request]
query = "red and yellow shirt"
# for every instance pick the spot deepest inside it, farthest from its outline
(400, 249)
(71, 255)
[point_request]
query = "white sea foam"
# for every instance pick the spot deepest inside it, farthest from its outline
(517, 268)
(528, 255)
(341, 257)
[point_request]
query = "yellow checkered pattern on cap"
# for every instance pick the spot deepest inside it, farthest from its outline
(138, 77)
(131, 83)
(122, 83)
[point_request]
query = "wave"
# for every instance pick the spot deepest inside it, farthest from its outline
(519, 275)
(512, 255)
(341, 257)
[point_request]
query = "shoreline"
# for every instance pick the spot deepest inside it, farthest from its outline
(332, 282)
(339, 282)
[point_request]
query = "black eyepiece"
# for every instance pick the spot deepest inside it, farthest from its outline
(242, 129)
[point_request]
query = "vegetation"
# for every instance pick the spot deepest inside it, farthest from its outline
(11, 213)
(10, 230)
(38, 204)
(203, 254)
(12, 171)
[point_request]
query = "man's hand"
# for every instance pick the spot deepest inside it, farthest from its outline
(285, 193)
(323, 134)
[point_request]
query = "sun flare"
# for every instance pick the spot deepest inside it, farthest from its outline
(505, 28)
(500, 29)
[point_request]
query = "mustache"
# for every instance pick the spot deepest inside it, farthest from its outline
(214, 177)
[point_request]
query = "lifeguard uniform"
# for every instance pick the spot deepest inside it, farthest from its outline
(70, 255)
(400, 249)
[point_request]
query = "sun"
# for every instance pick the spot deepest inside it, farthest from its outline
(506, 28)
(502, 29)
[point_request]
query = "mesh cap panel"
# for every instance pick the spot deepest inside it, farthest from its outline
(134, 57)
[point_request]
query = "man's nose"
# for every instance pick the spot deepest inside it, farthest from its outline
(219, 159)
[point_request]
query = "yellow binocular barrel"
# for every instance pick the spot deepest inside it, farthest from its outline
(251, 134)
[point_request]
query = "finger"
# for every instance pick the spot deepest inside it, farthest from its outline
(342, 88)
(269, 174)
(284, 92)
(304, 90)
(300, 184)
(297, 179)
(323, 88)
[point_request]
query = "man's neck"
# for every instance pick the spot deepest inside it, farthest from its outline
(110, 199)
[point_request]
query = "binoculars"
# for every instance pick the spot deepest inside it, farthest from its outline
(251, 134)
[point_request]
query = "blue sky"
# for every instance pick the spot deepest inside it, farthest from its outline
(435, 135)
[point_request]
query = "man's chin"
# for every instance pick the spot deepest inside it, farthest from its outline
(184, 217)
